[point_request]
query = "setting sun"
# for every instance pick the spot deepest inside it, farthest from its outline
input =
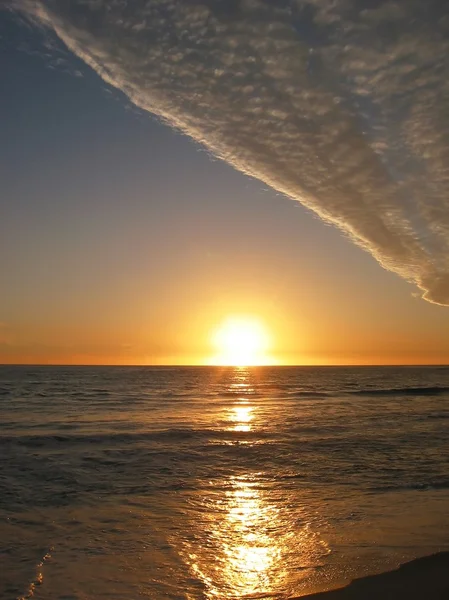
(241, 341)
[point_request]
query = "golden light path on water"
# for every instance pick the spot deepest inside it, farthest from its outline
(256, 540)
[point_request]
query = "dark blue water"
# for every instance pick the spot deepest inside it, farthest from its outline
(204, 483)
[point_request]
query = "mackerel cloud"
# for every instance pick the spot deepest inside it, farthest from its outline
(340, 104)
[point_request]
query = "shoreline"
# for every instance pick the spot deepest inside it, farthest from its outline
(425, 578)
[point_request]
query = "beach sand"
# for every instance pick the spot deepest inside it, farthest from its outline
(424, 579)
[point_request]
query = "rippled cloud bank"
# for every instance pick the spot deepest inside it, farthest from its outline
(340, 104)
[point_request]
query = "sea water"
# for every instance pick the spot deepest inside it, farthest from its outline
(217, 483)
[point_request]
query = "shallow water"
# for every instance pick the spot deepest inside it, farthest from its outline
(203, 483)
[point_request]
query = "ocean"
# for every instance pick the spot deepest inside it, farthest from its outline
(203, 483)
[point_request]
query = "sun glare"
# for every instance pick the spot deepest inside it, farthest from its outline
(241, 341)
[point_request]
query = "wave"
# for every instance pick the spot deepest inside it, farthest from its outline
(239, 393)
(167, 435)
(437, 416)
(404, 391)
(307, 394)
(417, 486)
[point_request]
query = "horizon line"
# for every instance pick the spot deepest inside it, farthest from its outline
(181, 366)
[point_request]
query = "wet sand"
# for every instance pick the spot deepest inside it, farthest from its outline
(424, 579)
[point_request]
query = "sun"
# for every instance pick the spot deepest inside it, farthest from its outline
(241, 341)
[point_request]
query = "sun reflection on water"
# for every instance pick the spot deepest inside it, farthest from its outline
(253, 537)
(250, 551)
(241, 417)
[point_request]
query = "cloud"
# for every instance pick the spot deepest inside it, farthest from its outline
(340, 104)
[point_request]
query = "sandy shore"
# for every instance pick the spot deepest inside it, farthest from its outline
(424, 579)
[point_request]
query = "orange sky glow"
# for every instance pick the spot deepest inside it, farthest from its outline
(124, 242)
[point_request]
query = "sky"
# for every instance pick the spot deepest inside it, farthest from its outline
(125, 240)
